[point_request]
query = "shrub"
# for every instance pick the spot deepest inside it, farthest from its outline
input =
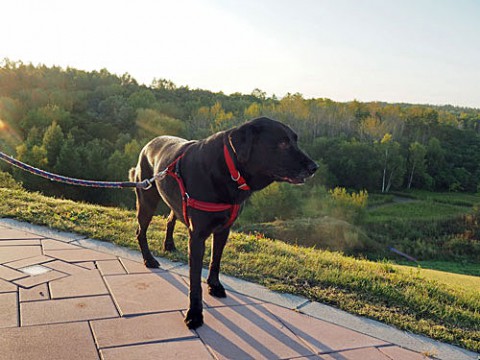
(277, 201)
(7, 181)
(347, 206)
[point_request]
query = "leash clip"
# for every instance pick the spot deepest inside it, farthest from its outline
(149, 184)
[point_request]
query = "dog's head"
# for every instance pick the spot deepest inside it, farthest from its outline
(268, 148)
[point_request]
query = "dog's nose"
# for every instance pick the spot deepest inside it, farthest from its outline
(312, 167)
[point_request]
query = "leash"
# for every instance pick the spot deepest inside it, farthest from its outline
(145, 184)
(171, 170)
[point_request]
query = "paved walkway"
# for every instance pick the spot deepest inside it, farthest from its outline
(59, 299)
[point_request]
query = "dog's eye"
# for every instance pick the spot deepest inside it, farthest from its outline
(284, 145)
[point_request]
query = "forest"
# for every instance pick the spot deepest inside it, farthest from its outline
(92, 125)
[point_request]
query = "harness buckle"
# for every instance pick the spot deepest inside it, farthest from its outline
(238, 176)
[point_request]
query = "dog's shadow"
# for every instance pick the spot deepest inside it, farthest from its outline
(240, 327)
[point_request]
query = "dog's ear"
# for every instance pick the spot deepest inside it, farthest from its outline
(241, 140)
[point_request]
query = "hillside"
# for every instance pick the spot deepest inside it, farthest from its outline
(437, 304)
(57, 119)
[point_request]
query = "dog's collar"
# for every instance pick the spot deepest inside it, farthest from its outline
(234, 173)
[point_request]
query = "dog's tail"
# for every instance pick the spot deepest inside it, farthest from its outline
(132, 174)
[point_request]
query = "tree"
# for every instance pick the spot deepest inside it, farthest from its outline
(52, 142)
(151, 123)
(69, 162)
(222, 120)
(253, 111)
(393, 164)
(437, 166)
(416, 162)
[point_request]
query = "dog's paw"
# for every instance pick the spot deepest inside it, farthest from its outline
(194, 318)
(151, 262)
(217, 291)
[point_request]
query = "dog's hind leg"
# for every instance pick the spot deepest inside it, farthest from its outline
(215, 288)
(147, 202)
(169, 244)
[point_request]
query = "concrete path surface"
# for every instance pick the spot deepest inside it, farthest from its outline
(66, 297)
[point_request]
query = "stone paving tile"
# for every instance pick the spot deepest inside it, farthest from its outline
(32, 281)
(19, 243)
(36, 293)
(249, 332)
(134, 267)
(8, 311)
(77, 255)
(397, 353)
(233, 298)
(49, 244)
(178, 350)
(72, 341)
(140, 329)
(147, 293)
(10, 274)
(65, 267)
(6, 286)
(34, 260)
(13, 234)
(372, 353)
(67, 310)
(86, 283)
(13, 253)
(311, 330)
(111, 267)
(89, 265)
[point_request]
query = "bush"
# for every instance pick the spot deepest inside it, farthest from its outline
(347, 206)
(322, 233)
(277, 201)
(7, 181)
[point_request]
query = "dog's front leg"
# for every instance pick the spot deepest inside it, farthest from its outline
(215, 288)
(196, 250)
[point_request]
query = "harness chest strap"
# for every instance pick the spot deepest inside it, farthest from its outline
(187, 201)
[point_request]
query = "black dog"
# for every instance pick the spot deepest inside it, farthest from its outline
(204, 183)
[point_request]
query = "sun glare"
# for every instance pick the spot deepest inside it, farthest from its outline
(3, 125)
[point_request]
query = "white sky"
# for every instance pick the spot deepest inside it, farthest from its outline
(418, 51)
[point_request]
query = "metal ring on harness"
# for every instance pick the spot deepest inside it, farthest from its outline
(238, 177)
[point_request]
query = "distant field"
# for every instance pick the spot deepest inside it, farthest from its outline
(415, 210)
(441, 306)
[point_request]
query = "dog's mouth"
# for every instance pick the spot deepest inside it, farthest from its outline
(297, 180)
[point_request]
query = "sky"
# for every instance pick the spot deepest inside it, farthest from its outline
(415, 51)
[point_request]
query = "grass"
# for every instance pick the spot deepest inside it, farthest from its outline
(427, 210)
(438, 305)
(457, 267)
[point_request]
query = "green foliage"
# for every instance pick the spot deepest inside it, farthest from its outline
(151, 123)
(52, 142)
(358, 200)
(359, 145)
(7, 181)
(277, 201)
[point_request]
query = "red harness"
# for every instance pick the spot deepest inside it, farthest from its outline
(187, 201)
